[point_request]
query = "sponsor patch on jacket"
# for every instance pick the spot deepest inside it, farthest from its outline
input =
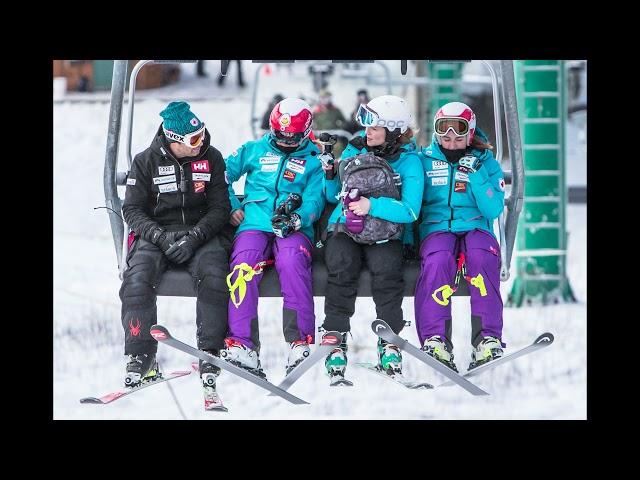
(300, 161)
(460, 187)
(269, 167)
(166, 179)
(168, 187)
(198, 187)
(167, 170)
(201, 176)
(131, 181)
(438, 164)
(437, 173)
(269, 159)
(200, 166)
(296, 167)
(461, 176)
(439, 181)
(289, 175)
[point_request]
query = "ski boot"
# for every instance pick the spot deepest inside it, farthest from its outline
(242, 356)
(438, 349)
(209, 374)
(389, 358)
(336, 364)
(141, 368)
(298, 351)
(208, 371)
(488, 349)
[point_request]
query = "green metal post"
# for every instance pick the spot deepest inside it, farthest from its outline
(542, 238)
(446, 79)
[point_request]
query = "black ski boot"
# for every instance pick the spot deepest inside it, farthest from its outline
(141, 368)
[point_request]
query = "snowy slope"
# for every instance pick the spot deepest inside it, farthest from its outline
(88, 337)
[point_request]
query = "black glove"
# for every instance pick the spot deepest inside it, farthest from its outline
(163, 239)
(284, 225)
(184, 248)
(291, 203)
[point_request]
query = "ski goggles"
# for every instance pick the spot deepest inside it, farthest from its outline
(459, 126)
(367, 117)
(193, 139)
(289, 138)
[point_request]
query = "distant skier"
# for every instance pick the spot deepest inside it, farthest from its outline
(356, 227)
(176, 205)
(463, 195)
(283, 199)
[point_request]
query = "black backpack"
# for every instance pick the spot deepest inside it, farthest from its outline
(373, 177)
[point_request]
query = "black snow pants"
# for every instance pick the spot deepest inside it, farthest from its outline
(208, 268)
(343, 258)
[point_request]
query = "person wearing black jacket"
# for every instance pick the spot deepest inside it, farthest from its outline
(177, 208)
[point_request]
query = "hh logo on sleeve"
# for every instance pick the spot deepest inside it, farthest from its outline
(200, 166)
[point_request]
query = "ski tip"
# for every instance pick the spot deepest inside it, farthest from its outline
(331, 338)
(216, 409)
(546, 337)
(91, 400)
(159, 333)
(378, 325)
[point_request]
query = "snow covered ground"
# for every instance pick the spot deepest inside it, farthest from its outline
(88, 337)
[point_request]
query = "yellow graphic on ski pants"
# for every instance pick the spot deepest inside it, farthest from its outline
(447, 291)
(245, 274)
(478, 282)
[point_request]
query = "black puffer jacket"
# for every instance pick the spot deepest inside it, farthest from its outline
(165, 191)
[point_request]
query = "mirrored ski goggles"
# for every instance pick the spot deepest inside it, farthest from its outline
(367, 117)
(289, 138)
(459, 126)
(193, 139)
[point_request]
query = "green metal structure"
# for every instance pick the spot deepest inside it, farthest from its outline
(446, 83)
(541, 240)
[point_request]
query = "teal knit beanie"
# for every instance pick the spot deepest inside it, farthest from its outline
(180, 119)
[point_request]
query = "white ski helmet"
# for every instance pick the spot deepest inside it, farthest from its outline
(386, 111)
(456, 116)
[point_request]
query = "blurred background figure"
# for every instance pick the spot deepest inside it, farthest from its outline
(351, 125)
(200, 69)
(265, 118)
(221, 77)
(326, 116)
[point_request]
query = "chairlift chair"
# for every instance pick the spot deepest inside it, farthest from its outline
(178, 282)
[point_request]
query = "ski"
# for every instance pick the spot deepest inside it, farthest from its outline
(541, 342)
(328, 342)
(161, 334)
(212, 400)
(383, 330)
(397, 378)
(340, 381)
(112, 397)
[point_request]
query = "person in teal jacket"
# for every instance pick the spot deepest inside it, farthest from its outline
(388, 135)
(463, 195)
(283, 198)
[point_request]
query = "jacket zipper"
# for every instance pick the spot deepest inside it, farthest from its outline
(275, 200)
(450, 191)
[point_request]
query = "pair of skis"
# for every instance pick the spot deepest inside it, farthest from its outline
(382, 329)
(329, 341)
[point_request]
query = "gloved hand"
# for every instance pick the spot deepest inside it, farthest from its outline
(328, 165)
(470, 163)
(163, 239)
(291, 203)
(284, 225)
(184, 248)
